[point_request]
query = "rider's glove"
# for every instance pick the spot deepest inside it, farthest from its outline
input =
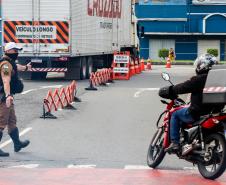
(167, 92)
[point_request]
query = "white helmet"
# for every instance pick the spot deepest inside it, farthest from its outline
(204, 63)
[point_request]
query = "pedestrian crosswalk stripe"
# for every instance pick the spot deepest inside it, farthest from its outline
(81, 166)
(28, 166)
(136, 167)
(190, 168)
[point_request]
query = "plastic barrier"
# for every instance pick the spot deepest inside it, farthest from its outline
(59, 99)
(121, 66)
(101, 77)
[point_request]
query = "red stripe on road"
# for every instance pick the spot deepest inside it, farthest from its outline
(103, 177)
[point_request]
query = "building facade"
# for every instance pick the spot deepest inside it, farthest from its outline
(190, 27)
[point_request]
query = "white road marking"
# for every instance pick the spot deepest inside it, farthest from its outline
(81, 166)
(137, 94)
(136, 167)
(52, 86)
(190, 168)
(42, 87)
(28, 166)
(10, 141)
(26, 92)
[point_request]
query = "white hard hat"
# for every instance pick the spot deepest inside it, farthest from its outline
(12, 45)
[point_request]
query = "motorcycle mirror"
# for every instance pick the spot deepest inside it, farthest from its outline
(166, 76)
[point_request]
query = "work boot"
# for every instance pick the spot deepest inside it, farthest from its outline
(173, 148)
(2, 153)
(18, 145)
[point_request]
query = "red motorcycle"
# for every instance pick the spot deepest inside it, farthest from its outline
(202, 143)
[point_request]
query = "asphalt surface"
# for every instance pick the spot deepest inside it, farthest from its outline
(111, 128)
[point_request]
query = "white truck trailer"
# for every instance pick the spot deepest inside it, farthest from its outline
(71, 36)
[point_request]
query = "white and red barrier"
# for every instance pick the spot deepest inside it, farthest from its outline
(100, 77)
(48, 70)
(59, 99)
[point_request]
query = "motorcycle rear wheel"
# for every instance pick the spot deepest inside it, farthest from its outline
(156, 151)
(216, 154)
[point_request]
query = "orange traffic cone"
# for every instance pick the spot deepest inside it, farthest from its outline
(132, 69)
(168, 63)
(142, 64)
(148, 66)
(136, 67)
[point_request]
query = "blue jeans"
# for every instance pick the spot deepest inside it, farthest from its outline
(178, 119)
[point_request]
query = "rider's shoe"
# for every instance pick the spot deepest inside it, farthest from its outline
(173, 148)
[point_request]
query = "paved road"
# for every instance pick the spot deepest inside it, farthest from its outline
(110, 129)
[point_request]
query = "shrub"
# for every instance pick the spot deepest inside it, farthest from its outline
(163, 53)
(213, 52)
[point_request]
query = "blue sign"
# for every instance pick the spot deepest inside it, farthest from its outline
(162, 2)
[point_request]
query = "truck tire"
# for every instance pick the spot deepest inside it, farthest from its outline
(83, 68)
(89, 67)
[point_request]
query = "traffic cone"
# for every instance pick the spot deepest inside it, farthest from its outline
(168, 63)
(142, 64)
(148, 65)
(132, 69)
(136, 67)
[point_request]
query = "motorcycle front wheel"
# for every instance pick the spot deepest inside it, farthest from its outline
(215, 157)
(156, 151)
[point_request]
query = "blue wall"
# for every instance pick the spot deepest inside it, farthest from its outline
(159, 11)
(190, 22)
(186, 49)
(222, 50)
(211, 26)
(144, 48)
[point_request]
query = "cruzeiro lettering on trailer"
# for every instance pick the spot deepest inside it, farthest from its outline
(105, 8)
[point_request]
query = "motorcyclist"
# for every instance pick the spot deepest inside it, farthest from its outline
(195, 86)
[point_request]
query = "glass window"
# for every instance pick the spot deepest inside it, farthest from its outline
(162, 2)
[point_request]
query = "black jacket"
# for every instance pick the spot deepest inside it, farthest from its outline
(195, 86)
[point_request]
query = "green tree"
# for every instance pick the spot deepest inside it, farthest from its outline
(163, 53)
(213, 52)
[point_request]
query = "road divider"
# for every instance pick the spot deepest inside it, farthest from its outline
(100, 77)
(59, 98)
